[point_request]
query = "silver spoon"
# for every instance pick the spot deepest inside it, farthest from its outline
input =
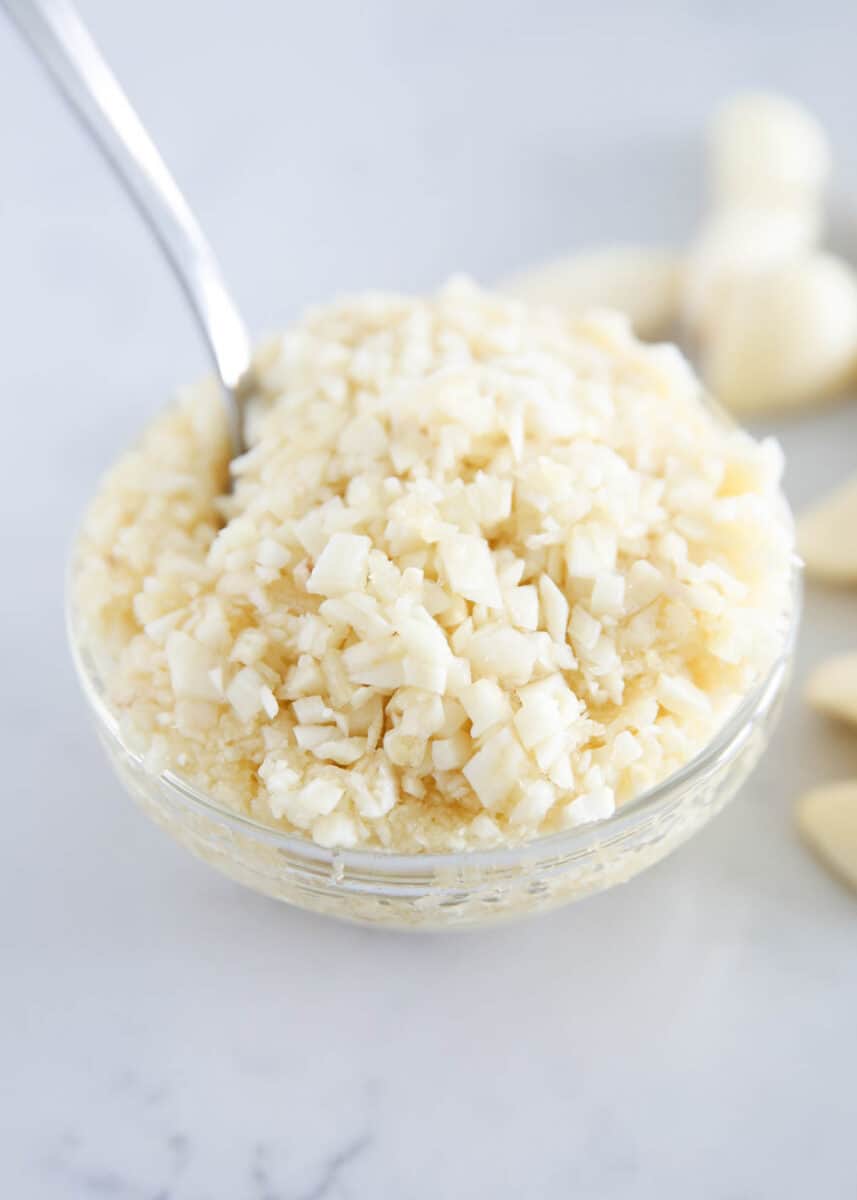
(63, 45)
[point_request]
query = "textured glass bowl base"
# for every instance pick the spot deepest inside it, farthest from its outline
(456, 890)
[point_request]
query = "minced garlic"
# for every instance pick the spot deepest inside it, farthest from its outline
(486, 572)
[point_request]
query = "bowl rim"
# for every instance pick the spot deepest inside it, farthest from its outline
(377, 862)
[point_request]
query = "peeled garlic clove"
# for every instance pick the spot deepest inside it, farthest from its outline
(642, 283)
(786, 337)
(827, 820)
(832, 687)
(827, 536)
(735, 245)
(768, 150)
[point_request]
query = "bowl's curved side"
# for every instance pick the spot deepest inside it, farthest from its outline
(456, 891)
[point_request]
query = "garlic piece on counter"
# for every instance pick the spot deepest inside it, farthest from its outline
(786, 337)
(827, 820)
(827, 535)
(734, 246)
(768, 150)
(640, 282)
(832, 687)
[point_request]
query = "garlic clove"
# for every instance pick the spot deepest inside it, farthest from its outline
(827, 535)
(640, 282)
(832, 687)
(827, 820)
(735, 245)
(766, 149)
(785, 338)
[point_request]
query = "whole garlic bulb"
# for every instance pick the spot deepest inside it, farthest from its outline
(767, 150)
(788, 335)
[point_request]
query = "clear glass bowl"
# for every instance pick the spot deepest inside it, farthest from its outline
(432, 891)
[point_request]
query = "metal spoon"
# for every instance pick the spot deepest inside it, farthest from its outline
(63, 45)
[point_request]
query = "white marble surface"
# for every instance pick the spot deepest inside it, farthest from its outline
(167, 1035)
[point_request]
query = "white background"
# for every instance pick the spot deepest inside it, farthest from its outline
(167, 1035)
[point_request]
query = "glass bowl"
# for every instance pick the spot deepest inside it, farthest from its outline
(433, 891)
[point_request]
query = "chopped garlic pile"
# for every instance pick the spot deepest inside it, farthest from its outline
(487, 571)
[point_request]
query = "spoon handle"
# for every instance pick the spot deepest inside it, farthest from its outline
(63, 45)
